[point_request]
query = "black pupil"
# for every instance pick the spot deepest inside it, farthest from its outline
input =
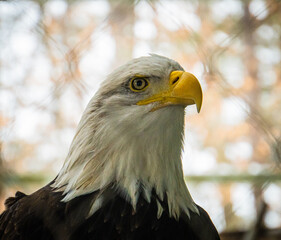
(139, 83)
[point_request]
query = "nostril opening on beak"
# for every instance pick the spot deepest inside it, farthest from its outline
(175, 80)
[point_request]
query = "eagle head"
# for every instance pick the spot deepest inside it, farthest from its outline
(130, 136)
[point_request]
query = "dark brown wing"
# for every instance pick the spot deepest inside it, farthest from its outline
(42, 215)
(27, 216)
(202, 225)
(118, 220)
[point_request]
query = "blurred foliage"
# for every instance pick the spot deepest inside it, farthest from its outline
(56, 53)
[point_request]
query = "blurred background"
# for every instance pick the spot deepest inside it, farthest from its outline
(55, 54)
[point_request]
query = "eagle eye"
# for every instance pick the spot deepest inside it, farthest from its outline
(138, 84)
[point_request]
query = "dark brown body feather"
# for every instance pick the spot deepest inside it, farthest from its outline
(42, 215)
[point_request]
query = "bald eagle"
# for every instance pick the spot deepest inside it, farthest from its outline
(122, 178)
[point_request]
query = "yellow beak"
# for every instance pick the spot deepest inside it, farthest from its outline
(184, 89)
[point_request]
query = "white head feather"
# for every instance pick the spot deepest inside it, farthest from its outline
(126, 144)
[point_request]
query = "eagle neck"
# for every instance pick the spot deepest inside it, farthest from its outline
(136, 155)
